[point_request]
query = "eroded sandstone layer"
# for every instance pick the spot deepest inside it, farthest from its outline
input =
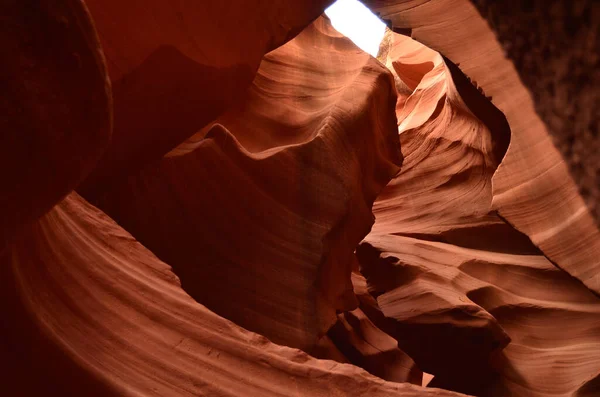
(176, 66)
(260, 213)
(279, 213)
(532, 188)
(93, 312)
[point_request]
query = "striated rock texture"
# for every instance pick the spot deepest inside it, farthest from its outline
(556, 50)
(260, 214)
(95, 313)
(532, 188)
(177, 66)
(274, 212)
(459, 283)
(442, 193)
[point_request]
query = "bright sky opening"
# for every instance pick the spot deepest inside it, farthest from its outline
(355, 21)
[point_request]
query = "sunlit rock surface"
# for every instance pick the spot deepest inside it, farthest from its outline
(279, 213)
(176, 66)
(444, 265)
(93, 312)
(532, 188)
(260, 216)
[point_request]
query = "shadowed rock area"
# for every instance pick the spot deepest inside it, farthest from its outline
(233, 199)
(555, 47)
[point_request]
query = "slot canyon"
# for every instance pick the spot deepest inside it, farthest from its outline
(232, 198)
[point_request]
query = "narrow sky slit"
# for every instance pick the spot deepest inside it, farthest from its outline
(354, 20)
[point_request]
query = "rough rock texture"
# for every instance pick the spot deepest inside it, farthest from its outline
(251, 179)
(555, 46)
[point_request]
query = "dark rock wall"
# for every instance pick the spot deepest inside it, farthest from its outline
(555, 46)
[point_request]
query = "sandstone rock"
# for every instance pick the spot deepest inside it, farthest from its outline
(219, 252)
(260, 217)
(177, 66)
(532, 188)
(95, 313)
(55, 106)
(457, 281)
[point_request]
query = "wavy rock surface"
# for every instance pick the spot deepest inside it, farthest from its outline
(457, 281)
(257, 183)
(532, 188)
(443, 192)
(372, 349)
(449, 285)
(260, 216)
(368, 347)
(175, 66)
(95, 313)
(55, 106)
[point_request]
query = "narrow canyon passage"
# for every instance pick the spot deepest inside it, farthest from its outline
(256, 205)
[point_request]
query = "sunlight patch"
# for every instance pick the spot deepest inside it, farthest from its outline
(355, 21)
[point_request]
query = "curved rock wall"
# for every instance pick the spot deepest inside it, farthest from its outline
(271, 211)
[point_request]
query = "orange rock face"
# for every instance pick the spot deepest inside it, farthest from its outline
(103, 316)
(176, 67)
(468, 292)
(532, 188)
(272, 211)
(311, 154)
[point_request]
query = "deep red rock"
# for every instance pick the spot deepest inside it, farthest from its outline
(55, 106)
(260, 216)
(256, 177)
(176, 66)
